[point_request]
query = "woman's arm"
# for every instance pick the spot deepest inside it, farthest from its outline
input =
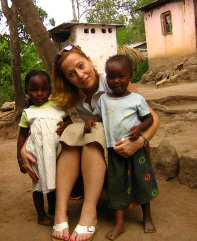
(27, 160)
(128, 148)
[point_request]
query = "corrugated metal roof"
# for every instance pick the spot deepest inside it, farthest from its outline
(155, 4)
(135, 45)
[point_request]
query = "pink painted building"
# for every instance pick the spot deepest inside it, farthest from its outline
(171, 30)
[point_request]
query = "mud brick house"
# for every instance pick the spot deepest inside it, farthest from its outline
(171, 30)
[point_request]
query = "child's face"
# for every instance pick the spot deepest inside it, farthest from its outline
(38, 89)
(118, 77)
(79, 71)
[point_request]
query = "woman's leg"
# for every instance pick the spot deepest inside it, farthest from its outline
(93, 170)
(68, 165)
(43, 219)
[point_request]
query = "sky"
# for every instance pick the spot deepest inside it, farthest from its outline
(60, 10)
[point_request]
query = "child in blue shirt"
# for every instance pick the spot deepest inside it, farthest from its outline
(130, 181)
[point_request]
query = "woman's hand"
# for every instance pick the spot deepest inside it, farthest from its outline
(128, 148)
(27, 160)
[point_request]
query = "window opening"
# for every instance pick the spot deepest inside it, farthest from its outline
(92, 30)
(166, 22)
(103, 30)
(86, 30)
(109, 30)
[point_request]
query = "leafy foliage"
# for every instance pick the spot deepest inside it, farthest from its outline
(6, 92)
(29, 60)
(29, 57)
(106, 11)
(141, 69)
(134, 31)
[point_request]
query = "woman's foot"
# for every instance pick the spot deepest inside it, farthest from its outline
(88, 220)
(117, 230)
(149, 226)
(61, 231)
(45, 220)
(85, 233)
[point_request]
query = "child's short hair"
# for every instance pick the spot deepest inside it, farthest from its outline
(33, 73)
(27, 78)
(120, 57)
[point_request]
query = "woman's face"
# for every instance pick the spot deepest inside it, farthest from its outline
(79, 71)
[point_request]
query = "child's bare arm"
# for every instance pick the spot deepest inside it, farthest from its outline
(147, 121)
(23, 134)
(63, 124)
(91, 122)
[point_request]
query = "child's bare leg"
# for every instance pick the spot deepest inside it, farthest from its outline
(51, 202)
(119, 228)
(149, 226)
(43, 219)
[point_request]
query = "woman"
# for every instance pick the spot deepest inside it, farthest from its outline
(77, 83)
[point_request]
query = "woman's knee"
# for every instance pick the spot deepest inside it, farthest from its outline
(66, 148)
(93, 145)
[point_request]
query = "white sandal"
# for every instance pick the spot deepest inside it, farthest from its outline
(59, 228)
(86, 230)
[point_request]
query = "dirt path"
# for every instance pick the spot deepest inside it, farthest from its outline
(149, 91)
(179, 129)
(174, 211)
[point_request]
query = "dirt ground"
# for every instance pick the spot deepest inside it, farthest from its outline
(174, 211)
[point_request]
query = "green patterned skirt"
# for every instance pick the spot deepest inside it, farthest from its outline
(130, 181)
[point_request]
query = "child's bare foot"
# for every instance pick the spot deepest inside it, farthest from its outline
(117, 230)
(149, 226)
(45, 220)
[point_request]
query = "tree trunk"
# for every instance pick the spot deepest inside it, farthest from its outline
(73, 8)
(12, 19)
(78, 12)
(37, 31)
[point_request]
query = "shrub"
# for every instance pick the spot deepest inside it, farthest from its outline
(141, 69)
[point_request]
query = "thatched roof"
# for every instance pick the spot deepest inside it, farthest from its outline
(135, 56)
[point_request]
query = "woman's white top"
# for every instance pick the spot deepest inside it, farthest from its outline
(84, 109)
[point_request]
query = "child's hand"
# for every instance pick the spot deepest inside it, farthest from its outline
(21, 166)
(135, 133)
(62, 125)
(89, 123)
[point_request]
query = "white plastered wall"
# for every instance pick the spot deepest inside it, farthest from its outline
(98, 45)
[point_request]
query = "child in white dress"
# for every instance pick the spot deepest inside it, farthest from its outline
(39, 127)
(130, 181)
